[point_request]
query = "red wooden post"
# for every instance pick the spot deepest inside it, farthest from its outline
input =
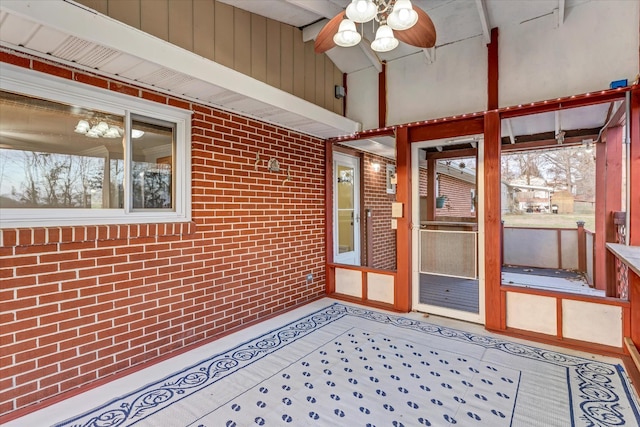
(492, 73)
(633, 207)
(492, 208)
(330, 285)
(402, 300)
(382, 96)
(608, 201)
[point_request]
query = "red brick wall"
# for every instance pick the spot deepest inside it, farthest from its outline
(78, 304)
(458, 192)
(376, 198)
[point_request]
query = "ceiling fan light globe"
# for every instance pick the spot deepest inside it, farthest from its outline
(347, 34)
(362, 10)
(385, 41)
(402, 17)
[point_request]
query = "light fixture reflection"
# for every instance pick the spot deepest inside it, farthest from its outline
(103, 130)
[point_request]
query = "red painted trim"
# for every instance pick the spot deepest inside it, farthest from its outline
(382, 96)
(562, 103)
(559, 318)
(365, 286)
(569, 343)
(501, 242)
(634, 172)
(566, 295)
(330, 285)
(387, 131)
(372, 304)
(599, 249)
(626, 324)
(503, 313)
(493, 74)
(364, 269)
(613, 197)
(582, 249)
(494, 303)
(454, 128)
(402, 296)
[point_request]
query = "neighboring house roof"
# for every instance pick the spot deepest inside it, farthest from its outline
(463, 174)
(531, 187)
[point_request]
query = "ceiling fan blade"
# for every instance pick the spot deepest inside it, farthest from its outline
(422, 34)
(324, 40)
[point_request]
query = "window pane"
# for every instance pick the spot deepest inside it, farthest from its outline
(152, 165)
(54, 155)
(345, 199)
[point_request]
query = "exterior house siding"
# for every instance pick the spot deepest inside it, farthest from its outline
(265, 49)
(81, 303)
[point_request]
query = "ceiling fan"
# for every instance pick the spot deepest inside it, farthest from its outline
(398, 20)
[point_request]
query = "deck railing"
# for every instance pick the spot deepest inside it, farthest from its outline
(545, 247)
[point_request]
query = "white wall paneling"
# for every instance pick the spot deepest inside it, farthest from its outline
(380, 287)
(531, 313)
(349, 282)
(591, 322)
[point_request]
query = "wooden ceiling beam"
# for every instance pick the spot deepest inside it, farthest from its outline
(484, 21)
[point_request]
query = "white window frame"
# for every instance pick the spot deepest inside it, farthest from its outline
(56, 89)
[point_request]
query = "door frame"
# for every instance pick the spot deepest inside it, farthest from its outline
(355, 159)
(415, 238)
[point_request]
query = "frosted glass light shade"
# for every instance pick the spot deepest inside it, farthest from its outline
(82, 127)
(402, 16)
(347, 34)
(362, 10)
(135, 133)
(385, 41)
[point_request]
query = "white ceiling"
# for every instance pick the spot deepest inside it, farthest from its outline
(454, 20)
(50, 29)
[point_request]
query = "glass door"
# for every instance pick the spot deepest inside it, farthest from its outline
(346, 212)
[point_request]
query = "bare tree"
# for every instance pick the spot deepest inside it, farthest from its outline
(571, 169)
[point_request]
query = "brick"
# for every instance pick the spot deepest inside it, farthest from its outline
(20, 61)
(125, 89)
(129, 293)
(52, 69)
(91, 80)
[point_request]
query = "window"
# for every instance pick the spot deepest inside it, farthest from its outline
(78, 155)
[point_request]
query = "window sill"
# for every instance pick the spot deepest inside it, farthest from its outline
(11, 237)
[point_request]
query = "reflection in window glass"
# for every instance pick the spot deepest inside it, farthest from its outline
(152, 165)
(345, 199)
(54, 155)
